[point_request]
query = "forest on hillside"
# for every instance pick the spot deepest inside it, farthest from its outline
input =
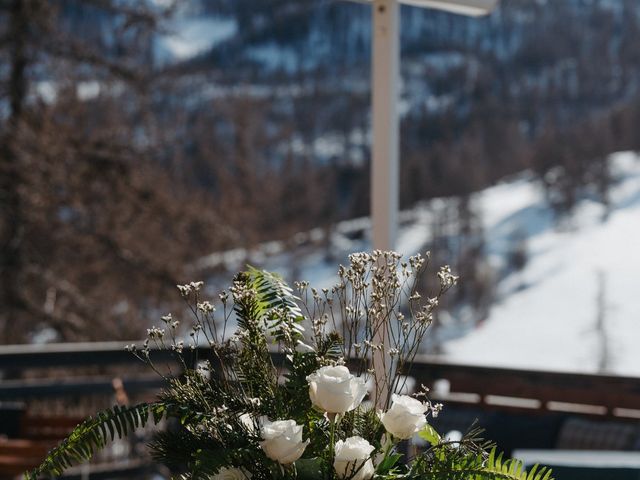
(121, 165)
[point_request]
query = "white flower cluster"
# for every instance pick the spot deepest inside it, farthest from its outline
(205, 307)
(169, 321)
(240, 292)
(155, 333)
(447, 279)
(334, 390)
(188, 288)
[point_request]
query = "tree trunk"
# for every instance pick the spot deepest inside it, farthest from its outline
(11, 235)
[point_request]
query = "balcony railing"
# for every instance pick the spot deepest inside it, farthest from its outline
(89, 369)
(491, 387)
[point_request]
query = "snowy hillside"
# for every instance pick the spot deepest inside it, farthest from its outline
(546, 314)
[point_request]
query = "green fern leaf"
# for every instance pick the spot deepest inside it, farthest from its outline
(92, 435)
(274, 294)
(453, 466)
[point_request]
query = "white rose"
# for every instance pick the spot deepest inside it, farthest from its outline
(232, 473)
(405, 417)
(352, 459)
(282, 440)
(335, 390)
(247, 421)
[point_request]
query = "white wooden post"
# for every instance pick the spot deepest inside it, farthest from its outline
(385, 145)
(384, 162)
(385, 152)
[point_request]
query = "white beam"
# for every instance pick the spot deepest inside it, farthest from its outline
(463, 7)
(384, 162)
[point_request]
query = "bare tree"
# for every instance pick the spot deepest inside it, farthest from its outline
(95, 235)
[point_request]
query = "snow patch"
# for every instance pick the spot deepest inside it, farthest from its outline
(191, 36)
(550, 322)
(275, 57)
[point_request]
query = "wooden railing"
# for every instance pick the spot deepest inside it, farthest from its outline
(90, 369)
(530, 390)
(21, 358)
(483, 386)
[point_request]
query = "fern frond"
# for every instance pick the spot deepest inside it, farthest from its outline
(182, 450)
(173, 448)
(270, 311)
(94, 433)
(480, 467)
(252, 364)
(278, 306)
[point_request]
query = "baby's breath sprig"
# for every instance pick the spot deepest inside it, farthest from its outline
(376, 297)
(374, 307)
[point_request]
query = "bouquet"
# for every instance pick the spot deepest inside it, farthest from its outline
(304, 384)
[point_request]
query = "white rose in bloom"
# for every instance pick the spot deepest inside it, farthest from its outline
(282, 440)
(335, 390)
(232, 473)
(405, 417)
(353, 457)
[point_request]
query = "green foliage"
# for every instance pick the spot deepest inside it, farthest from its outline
(204, 463)
(94, 433)
(272, 311)
(212, 422)
(276, 305)
(173, 447)
(387, 465)
(330, 347)
(471, 458)
(479, 467)
(364, 423)
(207, 433)
(429, 434)
(194, 399)
(296, 388)
(252, 363)
(309, 469)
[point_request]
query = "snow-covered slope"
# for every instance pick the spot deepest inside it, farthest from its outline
(546, 314)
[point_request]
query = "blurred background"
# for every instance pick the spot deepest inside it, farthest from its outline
(149, 143)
